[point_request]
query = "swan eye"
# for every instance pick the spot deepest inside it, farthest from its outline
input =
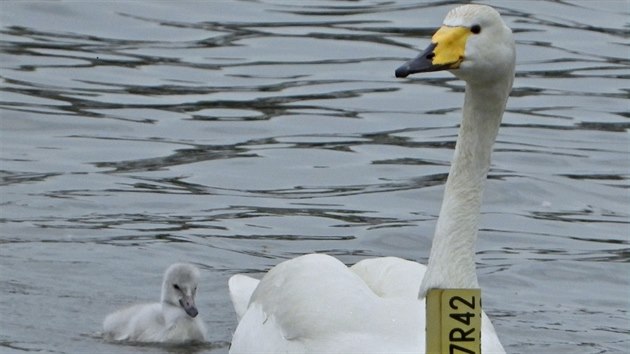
(476, 29)
(176, 287)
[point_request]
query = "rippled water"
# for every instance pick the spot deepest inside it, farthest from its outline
(236, 134)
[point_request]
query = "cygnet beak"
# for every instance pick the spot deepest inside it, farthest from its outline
(188, 303)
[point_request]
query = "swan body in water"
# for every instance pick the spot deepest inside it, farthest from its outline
(173, 320)
(315, 304)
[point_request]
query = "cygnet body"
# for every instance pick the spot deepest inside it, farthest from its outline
(173, 320)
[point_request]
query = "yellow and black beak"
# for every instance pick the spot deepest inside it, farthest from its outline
(445, 52)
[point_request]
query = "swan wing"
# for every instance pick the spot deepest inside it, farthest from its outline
(241, 289)
(314, 303)
(392, 277)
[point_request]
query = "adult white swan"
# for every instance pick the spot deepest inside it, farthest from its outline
(315, 304)
(173, 320)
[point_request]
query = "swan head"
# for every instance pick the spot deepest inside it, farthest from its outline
(179, 287)
(473, 43)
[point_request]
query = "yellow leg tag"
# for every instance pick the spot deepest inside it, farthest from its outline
(453, 321)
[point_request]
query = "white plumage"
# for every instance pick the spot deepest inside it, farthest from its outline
(315, 304)
(173, 320)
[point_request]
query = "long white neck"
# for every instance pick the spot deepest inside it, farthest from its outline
(452, 258)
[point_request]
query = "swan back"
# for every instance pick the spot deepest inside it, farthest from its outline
(391, 277)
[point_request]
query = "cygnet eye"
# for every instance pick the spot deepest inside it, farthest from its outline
(176, 287)
(476, 29)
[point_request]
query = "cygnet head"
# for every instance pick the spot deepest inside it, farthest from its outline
(473, 43)
(180, 286)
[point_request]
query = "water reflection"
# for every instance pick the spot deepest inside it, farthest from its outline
(176, 349)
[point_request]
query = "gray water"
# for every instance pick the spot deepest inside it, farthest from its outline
(237, 134)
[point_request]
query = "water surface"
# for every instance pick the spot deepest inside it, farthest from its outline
(237, 134)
